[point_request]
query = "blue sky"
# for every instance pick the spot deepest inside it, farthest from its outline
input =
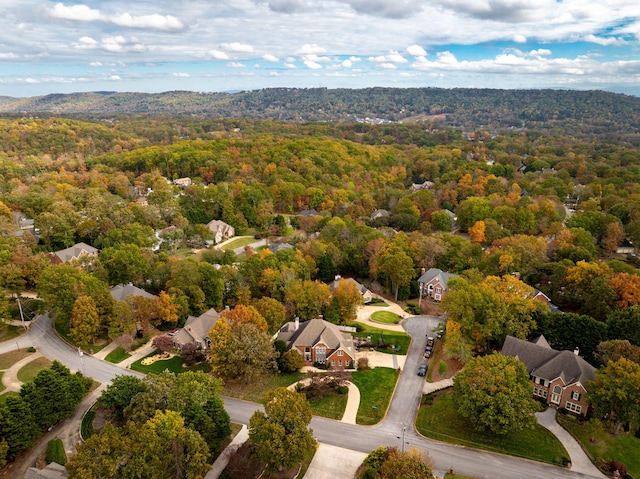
(228, 45)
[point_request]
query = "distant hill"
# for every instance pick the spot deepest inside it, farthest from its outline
(574, 112)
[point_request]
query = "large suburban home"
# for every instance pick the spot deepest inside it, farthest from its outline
(558, 377)
(319, 341)
(196, 330)
(76, 251)
(367, 296)
(434, 283)
(122, 291)
(221, 230)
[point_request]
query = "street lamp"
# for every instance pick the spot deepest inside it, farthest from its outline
(81, 354)
(404, 428)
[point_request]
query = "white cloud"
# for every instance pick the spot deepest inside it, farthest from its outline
(115, 77)
(181, 75)
(416, 51)
(290, 65)
(235, 65)
(270, 58)
(540, 52)
(237, 47)
(519, 38)
(218, 55)
(347, 63)
(8, 56)
(310, 49)
(96, 64)
(392, 57)
(312, 65)
(605, 41)
(315, 58)
(388, 66)
(83, 13)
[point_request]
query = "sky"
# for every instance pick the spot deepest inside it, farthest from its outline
(231, 45)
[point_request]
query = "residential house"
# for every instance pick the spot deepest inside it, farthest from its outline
(379, 214)
(221, 230)
(122, 291)
(434, 283)
(53, 470)
(196, 330)
(183, 182)
(625, 247)
(559, 377)
(275, 247)
(367, 296)
(540, 296)
(311, 212)
(427, 185)
(319, 341)
(76, 251)
(23, 224)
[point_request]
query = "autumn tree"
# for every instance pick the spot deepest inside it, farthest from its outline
(615, 392)
(394, 265)
(626, 288)
(587, 285)
(348, 299)
(242, 314)
(615, 349)
(389, 463)
(281, 433)
(84, 321)
(476, 233)
(307, 299)
(494, 392)
(272, 310)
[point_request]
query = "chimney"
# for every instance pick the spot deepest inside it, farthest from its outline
(576, 351)
(337, 277)
(296, 323)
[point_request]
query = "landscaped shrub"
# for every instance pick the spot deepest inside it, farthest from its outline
(363, 363)
(619, 467)
(55, 452)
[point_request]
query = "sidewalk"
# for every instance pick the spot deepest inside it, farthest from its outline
(10, 377)
(579, 460)
(428, 388)
(223, 459)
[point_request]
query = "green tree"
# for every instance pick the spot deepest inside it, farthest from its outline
(18, 425)
(395, 265)
(272, 310)
(118, 394)
(281, 433)
(616, 391)
(625, 324)
(84, 321)
(307, 299)
(290, 361)
(615, 349)
(124, 264)
(441, 221)
(494, 392)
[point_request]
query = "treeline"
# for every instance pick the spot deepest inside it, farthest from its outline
(574, 112)
(51, 396)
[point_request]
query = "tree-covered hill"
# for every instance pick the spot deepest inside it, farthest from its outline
(571, 112)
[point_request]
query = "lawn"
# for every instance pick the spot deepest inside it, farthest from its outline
(254, 391)
(376, 388)
(174, 365)
(239, 243)
(63, 330)
(381, 303)
(386, 317)
(449, 475)
(29, 370)
(117, 355)
(9, 332)
(441, 421)
(606, 446)
(331, 405)
(390, 338)
(9, 359)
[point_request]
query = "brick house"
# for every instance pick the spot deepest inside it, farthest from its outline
(319, 341)
(434, 283)
(558, 377)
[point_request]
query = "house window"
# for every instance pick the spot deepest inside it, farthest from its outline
(438, 289)
(333, 364)
(321, 354)
(573, 407)
(575, 395)
(437, 297)
(307, 354)
(340, 353)
(557, 389)
(339, 362)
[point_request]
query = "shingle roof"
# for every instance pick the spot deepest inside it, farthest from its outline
(362, 289)
(197, 327)
(75, 252)
(433, 273)
(543, 362)
(122, 292)
(316, 331)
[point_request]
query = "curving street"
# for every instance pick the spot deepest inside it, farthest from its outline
(389, 432)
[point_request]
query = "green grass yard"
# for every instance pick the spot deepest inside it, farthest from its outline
(174, 365)
(441, 421)
(117, 355)
(376, 389)
(605, 446)
(29, 370)
(386, 317)
(391, 338)
(331, 406)
(9, 359)
(255, 390)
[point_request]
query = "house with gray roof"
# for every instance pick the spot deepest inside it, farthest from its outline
(76, 251)
(196, 330)
(559, 377)
(221, 230)
(319, 341)
(122, 291)
(367, 296)
(51, 471)
(434, 283)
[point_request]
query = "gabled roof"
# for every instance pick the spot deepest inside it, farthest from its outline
(311, 212)
(275, 247)
(546, 363)
(315, 331)
(197, 327)
(122, 291)
(362, 289)
(433, 273)
(218, 225)
(51, 471)
(75, 251)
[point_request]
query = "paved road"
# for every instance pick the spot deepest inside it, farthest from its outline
(475, 463)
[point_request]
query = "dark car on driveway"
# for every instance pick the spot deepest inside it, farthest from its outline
(422, 370)
(428, 350)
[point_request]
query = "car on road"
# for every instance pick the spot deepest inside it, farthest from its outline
(428, 350)
(422, 370)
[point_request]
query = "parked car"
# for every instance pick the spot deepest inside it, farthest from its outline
(428, 350)
(422, 370)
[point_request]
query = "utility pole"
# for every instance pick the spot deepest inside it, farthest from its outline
(21, 314)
